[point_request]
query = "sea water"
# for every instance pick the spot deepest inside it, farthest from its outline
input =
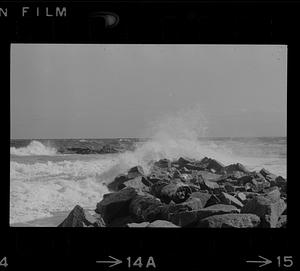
(44, 181)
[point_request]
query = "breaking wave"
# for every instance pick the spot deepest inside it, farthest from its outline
(34, 148)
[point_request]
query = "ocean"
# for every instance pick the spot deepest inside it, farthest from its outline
(49, 177)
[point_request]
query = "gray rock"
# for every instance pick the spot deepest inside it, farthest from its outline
(161, 224)
(236, 167)
(163, 163)
(116, 204)
(137, 183)
(282, 221)
(79, 217)
(268, 207)
(197, 200)
(138, 225)
(210, 164)
(118, 183)
(281, 182)
(139, 205)
(135, 172)
(241, 197)
(187, 218)
(230, 221)
(228, 199)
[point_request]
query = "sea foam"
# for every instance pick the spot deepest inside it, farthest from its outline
(34, 148)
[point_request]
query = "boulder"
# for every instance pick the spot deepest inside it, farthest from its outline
(202, 197)
(246, 179)
(188, 218)
(137, 183)
(170, 209)
(229, 187)
(239, 188)
(122, 221)
(138, 225)
(213, 200)
(282, 221)
(79, 217)
(139, 205)
(182, 162)
(118, 183)
(176, 191)
(272, 193)
(281, 182)
(241, 197)
(236, 168)
(135, 172)
(212, 164)
(161, 224)
(231, 200)
(160, 174)
(209, 185)
(163, 163)
(191, 166)
(268, 207)
(193, 204)
(208, 176)
(230, 221)
(115, 205)
(269, 177)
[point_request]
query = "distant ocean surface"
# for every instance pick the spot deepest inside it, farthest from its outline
(45, 178)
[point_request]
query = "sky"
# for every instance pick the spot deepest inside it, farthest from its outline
(107, 91)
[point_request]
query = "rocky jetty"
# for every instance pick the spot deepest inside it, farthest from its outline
(189, 193)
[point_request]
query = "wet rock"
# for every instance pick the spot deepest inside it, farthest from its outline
(236, 168)
(230, 221)
(108, 149)
(139, 205)
(115, 205)
(161, 224)
(175, 191)
(137, 183)
(191, 166)
(212, 164)
(79, 217)
(118, 183)
(281, 182)
(135, 172)
(231, 200)
(159, 174)
(163, 163)
(182, 162)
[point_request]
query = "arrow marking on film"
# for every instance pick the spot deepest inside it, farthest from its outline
(114, 262)
(264, 262)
